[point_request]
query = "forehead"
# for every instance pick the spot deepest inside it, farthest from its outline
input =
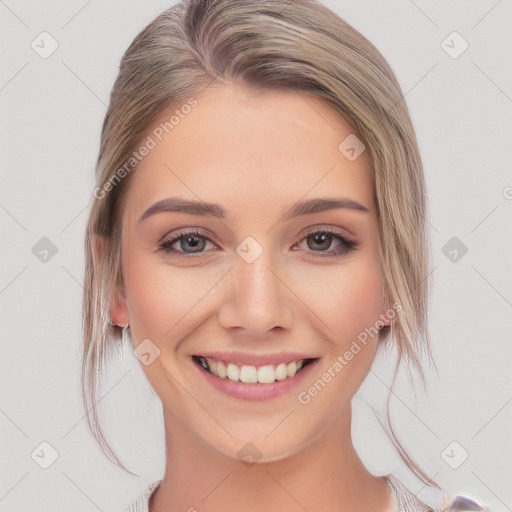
(243, 146)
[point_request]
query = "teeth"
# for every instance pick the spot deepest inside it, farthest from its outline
(291, 368)
(281, 372)
(251, 374)
(233, 372)
(266, 374)
(221, 369)
(248, 374)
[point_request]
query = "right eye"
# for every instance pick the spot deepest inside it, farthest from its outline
(185, 240)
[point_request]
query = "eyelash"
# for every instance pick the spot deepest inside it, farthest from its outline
(346, 245)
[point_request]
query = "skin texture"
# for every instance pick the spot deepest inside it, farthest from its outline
(256, 153)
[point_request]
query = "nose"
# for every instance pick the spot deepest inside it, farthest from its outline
(257, 298)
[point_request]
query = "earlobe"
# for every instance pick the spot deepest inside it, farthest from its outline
(385, 318)
(119, 311)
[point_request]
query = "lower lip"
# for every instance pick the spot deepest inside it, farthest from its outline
(256, 391)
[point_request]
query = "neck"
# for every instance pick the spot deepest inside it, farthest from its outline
(327, 473)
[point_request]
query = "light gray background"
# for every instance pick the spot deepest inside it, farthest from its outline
(52, 110)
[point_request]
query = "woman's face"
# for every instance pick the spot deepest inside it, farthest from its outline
(258, 290)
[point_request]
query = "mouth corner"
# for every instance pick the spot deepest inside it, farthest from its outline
(201, 361)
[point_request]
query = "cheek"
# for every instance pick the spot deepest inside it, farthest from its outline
(349, 305)
(150, 293)
(163, 299)
(360, 299)
(346, 298)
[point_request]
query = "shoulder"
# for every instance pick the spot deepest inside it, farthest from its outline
(406, 501)
(461, 503)
(141, 503)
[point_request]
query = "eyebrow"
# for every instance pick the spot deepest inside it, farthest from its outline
(176, 204)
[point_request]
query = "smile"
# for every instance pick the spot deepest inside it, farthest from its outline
(252, 374)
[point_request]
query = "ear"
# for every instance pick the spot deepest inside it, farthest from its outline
(118, 309)
(387, 312)
(384, 318)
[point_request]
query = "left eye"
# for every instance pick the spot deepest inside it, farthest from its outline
(318, 241)
(193, 242)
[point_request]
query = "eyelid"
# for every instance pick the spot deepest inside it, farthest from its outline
(185, 230)
(344, 233)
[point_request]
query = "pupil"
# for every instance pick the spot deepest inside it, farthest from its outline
(320, 239)
(193, 241)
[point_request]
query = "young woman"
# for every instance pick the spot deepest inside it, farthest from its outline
(257, 233)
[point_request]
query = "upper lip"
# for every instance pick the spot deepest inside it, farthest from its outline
(240, 358)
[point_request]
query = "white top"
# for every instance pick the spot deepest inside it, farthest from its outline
(403, 500)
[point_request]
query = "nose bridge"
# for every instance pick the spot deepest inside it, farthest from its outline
(257, 280)
(257, 299)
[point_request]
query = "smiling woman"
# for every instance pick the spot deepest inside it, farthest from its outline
(259, 252)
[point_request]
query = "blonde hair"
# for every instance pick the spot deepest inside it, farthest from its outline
(294, 45)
